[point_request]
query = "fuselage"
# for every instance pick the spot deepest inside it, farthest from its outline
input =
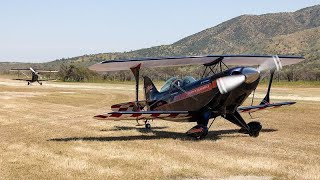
(204, 93)
(35, 77)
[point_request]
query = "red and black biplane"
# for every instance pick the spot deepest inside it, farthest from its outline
(219, 92)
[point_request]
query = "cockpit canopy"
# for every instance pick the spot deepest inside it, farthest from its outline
(174, 82)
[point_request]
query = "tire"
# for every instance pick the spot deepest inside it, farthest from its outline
(148, 126)
(255, 128)
(200, 134)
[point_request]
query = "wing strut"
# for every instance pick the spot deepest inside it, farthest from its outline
(266, 99)
(135, 70)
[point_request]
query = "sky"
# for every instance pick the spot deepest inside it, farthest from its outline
(41, 31)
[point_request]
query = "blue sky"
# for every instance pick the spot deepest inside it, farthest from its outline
(39, 31)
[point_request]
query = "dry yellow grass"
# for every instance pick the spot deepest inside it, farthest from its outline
(47, 132)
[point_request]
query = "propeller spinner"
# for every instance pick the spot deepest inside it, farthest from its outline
(248, 75)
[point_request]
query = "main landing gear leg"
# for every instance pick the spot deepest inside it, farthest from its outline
(200, 131)
(252, 128)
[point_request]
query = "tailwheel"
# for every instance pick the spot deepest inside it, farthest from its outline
(255, 128)
(198, 132)
(147, 125)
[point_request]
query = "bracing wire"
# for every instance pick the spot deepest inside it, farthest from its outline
(211, 123)
(252, 102)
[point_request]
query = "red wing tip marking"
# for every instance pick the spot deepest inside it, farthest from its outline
(172, 115)
(155, 115)
(116, 106)
(115, 115)
(100, 117)
(136, 115)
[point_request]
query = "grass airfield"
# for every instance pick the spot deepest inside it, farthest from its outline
(47, 132)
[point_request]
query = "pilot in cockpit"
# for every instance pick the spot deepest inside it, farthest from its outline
(175, 82)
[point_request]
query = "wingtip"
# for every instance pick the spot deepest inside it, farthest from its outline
(100, 117)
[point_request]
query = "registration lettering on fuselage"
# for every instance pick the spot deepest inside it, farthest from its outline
(195, 91)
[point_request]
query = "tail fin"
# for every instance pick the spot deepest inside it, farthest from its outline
(150, 89)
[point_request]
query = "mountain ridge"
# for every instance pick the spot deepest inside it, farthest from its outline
(234, 36)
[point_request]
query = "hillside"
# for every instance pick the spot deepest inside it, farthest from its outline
(239, 34)
(242, 34)
(302, 42)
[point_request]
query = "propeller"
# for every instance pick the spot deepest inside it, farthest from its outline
(268, 65)
(33, 70)
(249, 75)
(36, 73)
(228, 83)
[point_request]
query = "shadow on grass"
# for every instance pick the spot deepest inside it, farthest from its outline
(138, 128)
(234, 131)
(153, 135)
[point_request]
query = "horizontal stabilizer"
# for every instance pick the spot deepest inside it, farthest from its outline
(132, 115)
(127, 106)
(250, 109)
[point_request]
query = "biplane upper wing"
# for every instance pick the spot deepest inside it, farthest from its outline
(37, 70)
(245, 60)
(251, 109)
(133, 115)
(46, 71)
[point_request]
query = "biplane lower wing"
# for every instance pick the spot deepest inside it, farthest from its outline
(172, 115)
(28, 80)
(19, 79)
(127, 106)
(133, 115)
(251, 109)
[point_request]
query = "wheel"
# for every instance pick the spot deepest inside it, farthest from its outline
(28, 83)
(40, 84)
(198, 132)
(204, 134)
(148, 126)
(255, 128)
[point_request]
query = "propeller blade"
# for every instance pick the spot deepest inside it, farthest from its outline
(228, 83)
(272, 65)
(32, 70)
